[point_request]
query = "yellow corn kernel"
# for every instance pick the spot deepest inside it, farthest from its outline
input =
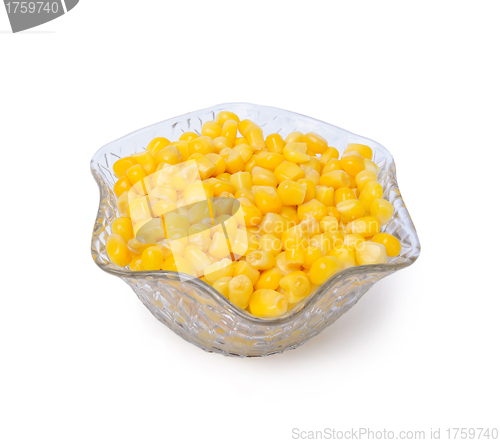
(121, 166)
(219, 246)
(391, 243)
(295, 257)
(245, 268)
(371, 191)
(182, 147)
(197, 191)
(139, 210)
(220, 187)
(274, 224)
(122, 185)
(296, 286)
(269, 279)
(333, 212)
(352, 162)
(219, 163)
(324, 268)
(211, 129)
(370, 166)
(312, 254)
(250, 164)
(241, 180)
(312, 208)
(117, 250)
(245, 192)
(222, 285)
(205, 167)
(343, 194)
(179, 264)
(219, 269)
(245, 125)
(325, 241)
(296, 152)
(169, 155)
(363, 150)
(350, 210)
(251, 215)
(269, 160)
(202, 145)
(291, 193)
(332, 165)
(223, 116)
(123, 202)
(284, 266)
(270, 243)
(382, 210)
(364, 177)
(267, 199)
(234, 162)
(275, 143)
(220, 143)
(310, 226)
(345, 255)
(197, 258)
(230, 131)
(371, 253)
(353, 241)
(325, 195)
(152, 259)
(164, 193)
(244, 151)
(296, 237)
(135, 174)
(329, 224)
(366, 226)
(146, 160)
(335, 179)
(310, 173)
(188, 136)
(240, 141)
(315, 142)
(123, 226)
(328, 154)
(136, 264)
(290, 217)
(310, 189)
(313, 163)
(240, 290)
(255, 138)
(176, 221)
(288, 171)
(295, 136)
(263, 177)
(267, 303)
(261, 260)
(226, 177)
(157, 144)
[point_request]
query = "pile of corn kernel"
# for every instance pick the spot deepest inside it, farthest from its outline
(306, 213)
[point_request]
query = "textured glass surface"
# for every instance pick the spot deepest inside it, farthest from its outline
(201, 315)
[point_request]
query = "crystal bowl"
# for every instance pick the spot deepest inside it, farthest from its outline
(200, 314)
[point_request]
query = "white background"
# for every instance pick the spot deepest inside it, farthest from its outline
(81, 360)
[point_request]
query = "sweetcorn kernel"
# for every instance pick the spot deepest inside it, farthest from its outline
(371, 253)
(324, 268)
(391, 243)
(267, 303)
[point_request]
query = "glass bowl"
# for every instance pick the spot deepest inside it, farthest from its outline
(200, 314)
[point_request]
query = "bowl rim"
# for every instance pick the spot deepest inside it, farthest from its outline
(387, 268)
